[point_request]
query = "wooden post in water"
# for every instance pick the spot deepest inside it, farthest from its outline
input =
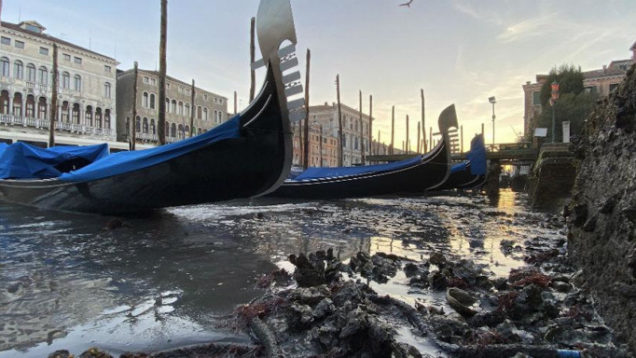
(361, 131)
(482, 129)
(192, 95)
(340, 134)
(370, 124)
(425, 147)
(419, 140)
(377, 146)
(320, 148)
(161, 122)
(306, 139)
(53, 112)
(407, 134)
(430, 137)
(235, 103)
(461, 138)
(392, 130)
(252, 59)
(133, 123)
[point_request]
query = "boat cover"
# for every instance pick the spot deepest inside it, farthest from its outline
(477, 156)
(317, 173)
(25, 161)
(123, 162)
(459, 167)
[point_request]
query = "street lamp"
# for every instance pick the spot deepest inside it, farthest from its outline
(492, 100)
(553, 99)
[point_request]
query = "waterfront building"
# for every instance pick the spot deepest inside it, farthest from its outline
(210, 109)
(86, 91)
(602, 81)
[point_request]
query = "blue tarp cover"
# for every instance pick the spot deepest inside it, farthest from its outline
(3, 146)
(24, 161)
(123, 162)
(477, 156)
(317, 173)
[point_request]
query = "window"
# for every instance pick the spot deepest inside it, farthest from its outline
(174, 106)
(205, 96)
(536, 98)
(144, 103)
(78, 83)
(591, 89)
(107, 68)
(613, 86)
(180, 108)
(31, 72)
(77, 60)
(146, 80)
(152, 100)
(199, 112)
(67, 57)
(205, 114)
(4, 67)
(107, 90)
(43, 76)
(66, 80)
(153, 82)
(44, 51)
(6, 41)
(19, 44)
(187, 110)
(18, 70)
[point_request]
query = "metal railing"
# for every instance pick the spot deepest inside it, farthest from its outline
(12, 120)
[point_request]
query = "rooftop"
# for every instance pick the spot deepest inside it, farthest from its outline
(34, 28)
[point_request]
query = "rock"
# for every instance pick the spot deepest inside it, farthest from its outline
(438, 259)
(95, 353)
(437, 280)
(324, 308)
(461, 308)
(461, 296)
(60, 354)
(300, 316)
(561, 286)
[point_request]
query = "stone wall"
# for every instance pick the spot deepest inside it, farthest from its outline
(602, 215)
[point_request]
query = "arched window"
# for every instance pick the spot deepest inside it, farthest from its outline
(152, 100)
(43, 76)
(30, 106)
(98, 117)
(17, 104)
(107, 89)
(88, 116)
(187, 110)
(18, 70)
(4, 66)
(76, 113)
(181, 131)
(153, 129)
(65, 112)
(145, 126)
(107, 119)
(66, 80)
(4, 102)
(138, 124)
(180, 108)
(199, 112)
(205, 114)
(174, 106)
(187, 130)
(42, 108)
(173, 130)
(144, 103)
(167, 105)
(78, 83)
(31, 72)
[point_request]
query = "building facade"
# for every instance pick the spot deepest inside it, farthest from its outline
(602, 81)
(86, 84)
(209, 108)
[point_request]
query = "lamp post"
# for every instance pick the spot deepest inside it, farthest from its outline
(553, 99)
(492, 100)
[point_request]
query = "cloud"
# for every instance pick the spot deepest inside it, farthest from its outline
(533, 27)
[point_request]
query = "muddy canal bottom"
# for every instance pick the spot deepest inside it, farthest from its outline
(73, 282)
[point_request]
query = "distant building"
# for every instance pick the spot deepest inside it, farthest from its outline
(87, 85)
(210, 109)
(602, 81)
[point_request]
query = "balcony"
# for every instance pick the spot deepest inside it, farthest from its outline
(11, 120)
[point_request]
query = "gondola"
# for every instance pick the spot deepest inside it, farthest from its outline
(415, 175)
(471, 173)
(247, 156)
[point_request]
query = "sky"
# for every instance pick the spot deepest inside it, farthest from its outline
(458, 51)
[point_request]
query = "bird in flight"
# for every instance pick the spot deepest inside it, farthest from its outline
(407, 4)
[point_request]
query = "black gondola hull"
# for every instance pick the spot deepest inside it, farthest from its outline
(242, 167)
(415, 179)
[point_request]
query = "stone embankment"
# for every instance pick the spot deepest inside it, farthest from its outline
(602, 215)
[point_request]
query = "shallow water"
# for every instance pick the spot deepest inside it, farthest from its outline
(163, 281)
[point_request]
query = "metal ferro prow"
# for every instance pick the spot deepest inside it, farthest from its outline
(275, 25)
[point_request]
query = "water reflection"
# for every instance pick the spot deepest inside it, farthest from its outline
(159, 282)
